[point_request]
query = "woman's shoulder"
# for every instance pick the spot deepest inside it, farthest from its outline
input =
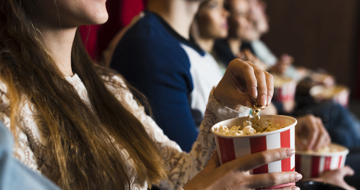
(114, 82)
(117, 85)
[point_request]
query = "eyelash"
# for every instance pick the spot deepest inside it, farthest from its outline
(214, 5)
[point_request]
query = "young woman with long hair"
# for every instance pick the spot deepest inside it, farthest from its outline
(79, 125)
(210, 24)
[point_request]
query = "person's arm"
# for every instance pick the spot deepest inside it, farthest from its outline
(162, 73)
(184, 166)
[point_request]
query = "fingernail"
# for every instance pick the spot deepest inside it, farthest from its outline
(248, 104)
(268, 100)
(254, 92)
(263, 100)
(290, 152)
(298, 177)
(295, 188)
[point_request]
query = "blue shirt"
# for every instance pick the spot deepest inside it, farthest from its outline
(13, 174)
(151, 58)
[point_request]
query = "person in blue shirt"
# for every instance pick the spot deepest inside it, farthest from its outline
(13, 174)
(157, 56)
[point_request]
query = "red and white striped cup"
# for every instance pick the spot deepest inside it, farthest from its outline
(284, 90)
(232, 147)
(312, 164)
(338, 93)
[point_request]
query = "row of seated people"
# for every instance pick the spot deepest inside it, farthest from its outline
(217, 35)
(79, 125)
(200, 64)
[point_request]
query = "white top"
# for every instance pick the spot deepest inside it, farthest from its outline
(264, 53)
(206, 73)
(267, 57)
(182, 166)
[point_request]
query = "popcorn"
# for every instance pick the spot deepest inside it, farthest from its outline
(248, 130)
(247, 123)
(223, 130)
(239, 133)
(265, 125)
(328, 149)
(250, 126)
(325, 149)
(280, 81)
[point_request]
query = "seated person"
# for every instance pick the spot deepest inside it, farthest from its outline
(283, 64)
(243, 27)
(173, 72)
(79, 125)
(246, 27)
(210, 24)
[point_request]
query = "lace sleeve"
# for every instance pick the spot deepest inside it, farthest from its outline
(22, 152)
(182, 166)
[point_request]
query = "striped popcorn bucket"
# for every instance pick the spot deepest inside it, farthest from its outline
(338, 93)
(284, 88)
(313, 164)
(285, 92)
(343, 98)
(232, 147)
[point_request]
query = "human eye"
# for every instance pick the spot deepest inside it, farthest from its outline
(213, 5)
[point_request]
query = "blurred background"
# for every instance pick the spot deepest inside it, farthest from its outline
(321, 34)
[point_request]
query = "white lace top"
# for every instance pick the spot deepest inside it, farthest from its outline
(182, 166)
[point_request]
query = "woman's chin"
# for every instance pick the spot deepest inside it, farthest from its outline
(103, 20)
(98, 19)
(223, 35)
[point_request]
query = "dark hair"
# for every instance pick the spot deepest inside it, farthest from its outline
(83, 144)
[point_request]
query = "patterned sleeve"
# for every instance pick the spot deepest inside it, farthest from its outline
(182, 166)
(22, 151)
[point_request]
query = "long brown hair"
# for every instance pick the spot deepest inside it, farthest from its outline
(82, 144)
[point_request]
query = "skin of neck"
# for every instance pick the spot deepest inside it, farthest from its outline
(59, 44)
(234, 45)
(57, 39)
(206, 44)
(179, 14)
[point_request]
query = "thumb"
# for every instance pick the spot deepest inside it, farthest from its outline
(213, 162)
(347, 171)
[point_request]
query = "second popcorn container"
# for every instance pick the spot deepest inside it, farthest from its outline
(313, 164)
(232, 147)
(284, 88)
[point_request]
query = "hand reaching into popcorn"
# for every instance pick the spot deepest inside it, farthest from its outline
(310, 133)
(243, 83)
